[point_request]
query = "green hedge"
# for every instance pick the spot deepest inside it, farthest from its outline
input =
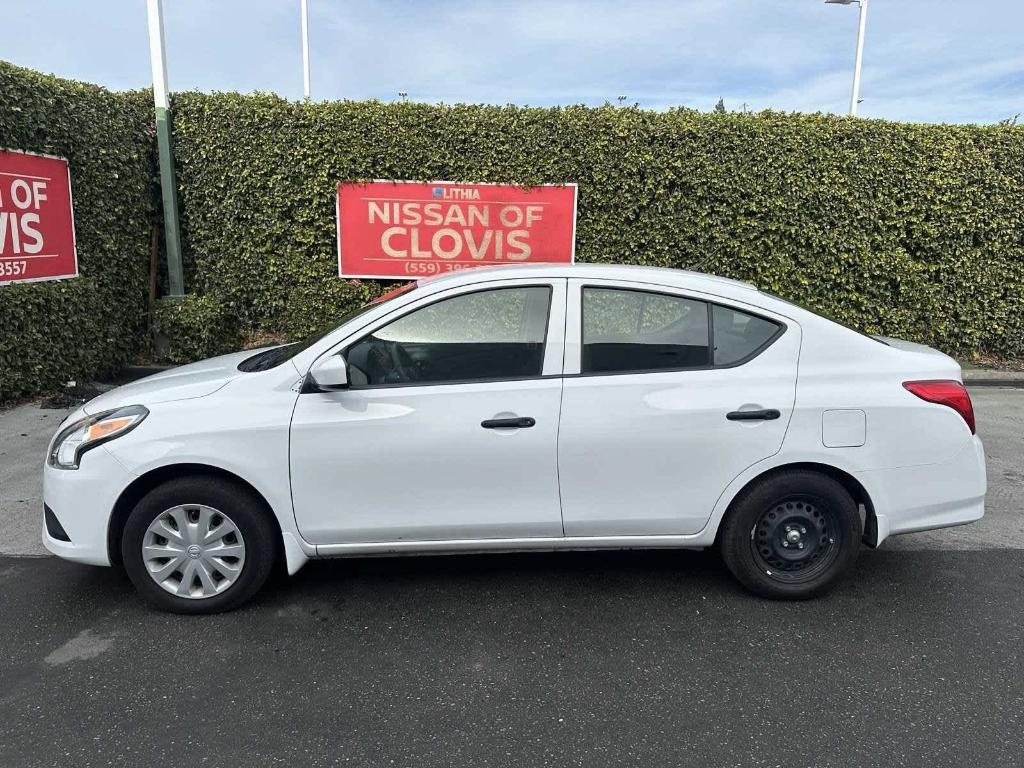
(70, 329)
(910, 230)
(193, 328)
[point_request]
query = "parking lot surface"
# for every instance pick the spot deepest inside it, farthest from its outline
(587, 659)
(613, 658)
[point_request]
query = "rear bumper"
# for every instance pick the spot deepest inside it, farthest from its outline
(921, 498)
(81, 500)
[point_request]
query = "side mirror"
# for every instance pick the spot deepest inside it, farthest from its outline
(331, 373)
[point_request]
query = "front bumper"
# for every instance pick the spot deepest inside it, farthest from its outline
(921, 498)
(82, 500)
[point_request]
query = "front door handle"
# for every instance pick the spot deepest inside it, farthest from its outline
(766, 414)
(518, 422)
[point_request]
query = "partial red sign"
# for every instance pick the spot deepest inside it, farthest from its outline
(37, 226)
(397, 229)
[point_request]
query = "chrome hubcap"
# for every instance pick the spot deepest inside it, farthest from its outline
(193, 551)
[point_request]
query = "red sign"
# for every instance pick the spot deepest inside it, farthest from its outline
(37, 226)
(399, 229)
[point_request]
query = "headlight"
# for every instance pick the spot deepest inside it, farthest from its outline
(75, 439)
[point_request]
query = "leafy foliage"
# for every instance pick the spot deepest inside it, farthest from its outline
(194, 327)
(314, 304)
(71, 329)
(909, 230)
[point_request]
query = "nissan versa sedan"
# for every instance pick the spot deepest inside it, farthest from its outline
(523, 408)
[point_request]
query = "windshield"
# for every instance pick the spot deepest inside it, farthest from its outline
(270, 358)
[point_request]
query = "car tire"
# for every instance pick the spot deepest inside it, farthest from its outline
(199, 545)
(791, 536)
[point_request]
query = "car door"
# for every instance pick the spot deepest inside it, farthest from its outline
(668, 396)
(449, 427)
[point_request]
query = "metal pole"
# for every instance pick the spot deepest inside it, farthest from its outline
(855, 94)
(168, 184)
(305, 50)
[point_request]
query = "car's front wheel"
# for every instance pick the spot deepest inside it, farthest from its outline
(198, 545)
(793, 535)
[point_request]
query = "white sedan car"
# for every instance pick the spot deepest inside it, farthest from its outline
(523, 408)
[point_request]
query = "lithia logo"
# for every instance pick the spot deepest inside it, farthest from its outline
(455, 193)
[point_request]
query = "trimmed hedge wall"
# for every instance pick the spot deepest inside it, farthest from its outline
(909, 230)
(193, 328)
(70, 329)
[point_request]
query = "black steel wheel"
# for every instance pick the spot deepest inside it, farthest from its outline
(793, 535)
(796, 539)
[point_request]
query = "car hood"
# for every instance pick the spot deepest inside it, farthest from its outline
(182, 383)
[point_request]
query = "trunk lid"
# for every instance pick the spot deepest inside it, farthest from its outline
(931, 362)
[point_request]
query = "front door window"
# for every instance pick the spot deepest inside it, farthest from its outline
(489, 335)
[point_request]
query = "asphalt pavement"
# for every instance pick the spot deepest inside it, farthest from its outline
(590, 659)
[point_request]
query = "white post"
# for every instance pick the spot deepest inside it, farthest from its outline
(305, 50)
(855, 95)
(157, 59)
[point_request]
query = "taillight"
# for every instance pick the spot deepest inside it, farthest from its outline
(945, 392)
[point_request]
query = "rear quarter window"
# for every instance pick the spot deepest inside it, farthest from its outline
(738, 336)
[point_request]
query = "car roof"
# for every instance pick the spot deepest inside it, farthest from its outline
(681, 278)
(723, 287)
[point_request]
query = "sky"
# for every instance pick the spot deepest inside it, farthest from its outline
(924, 60)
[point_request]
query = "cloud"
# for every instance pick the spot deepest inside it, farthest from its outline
(925, 60)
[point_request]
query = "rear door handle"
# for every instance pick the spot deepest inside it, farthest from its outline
(518, 422)
(766, 414)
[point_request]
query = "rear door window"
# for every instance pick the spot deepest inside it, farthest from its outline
(629, 330)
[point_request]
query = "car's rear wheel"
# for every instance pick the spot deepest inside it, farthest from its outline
(794, 535)
(198, 545)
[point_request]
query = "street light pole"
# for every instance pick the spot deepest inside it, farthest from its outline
(168, 183)
(855, 92)
(305, 50)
